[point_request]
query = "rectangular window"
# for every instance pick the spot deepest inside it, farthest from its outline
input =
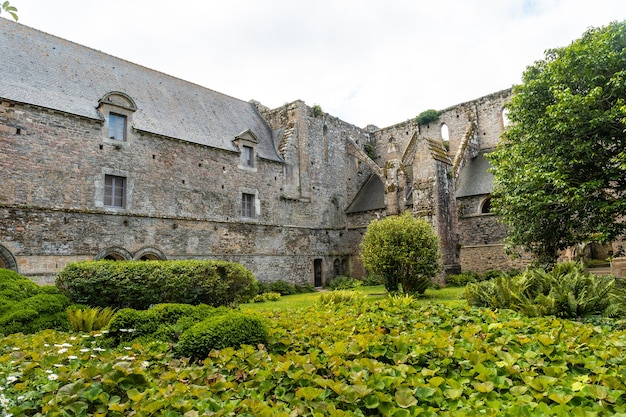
(248, 156)
(114, 191)
(117, 126)
(247, 205)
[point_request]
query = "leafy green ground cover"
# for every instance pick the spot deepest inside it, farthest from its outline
(376, 357)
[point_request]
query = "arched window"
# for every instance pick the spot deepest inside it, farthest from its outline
(505, 117)
(149, 254)
(114, 253)
(445, 135)
(485, 207)
(337, 267)
(7, 260)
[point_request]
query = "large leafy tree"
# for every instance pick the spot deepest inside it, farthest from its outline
(560, 169)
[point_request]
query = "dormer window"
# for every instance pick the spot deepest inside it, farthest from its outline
(248, 156)
(117, 126)
(117, 111)
(247, 143)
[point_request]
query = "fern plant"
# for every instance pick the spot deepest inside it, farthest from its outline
(567, 291)
(89, 318)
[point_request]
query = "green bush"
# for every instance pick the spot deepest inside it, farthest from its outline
(373, 280)
(15, 287)
(266, 296)
(343, 283)
(427, 116)
(404, 250)
(26, 307)
(568, 291)
(162, 322)
(462, 279)
(140, 284)
(230, 330)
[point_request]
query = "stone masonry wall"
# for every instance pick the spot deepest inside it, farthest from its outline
(183, 199)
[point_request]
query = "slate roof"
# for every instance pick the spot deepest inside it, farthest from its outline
(474, 178)
(371, 196)
(44, 70)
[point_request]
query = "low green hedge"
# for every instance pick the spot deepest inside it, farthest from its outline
(219, 332)
(140, 284)
(26, 307)
(162, 322)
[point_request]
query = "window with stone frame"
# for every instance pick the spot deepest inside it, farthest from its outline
(248, 156)
(114, 191)
(247, 205)
(117, 126)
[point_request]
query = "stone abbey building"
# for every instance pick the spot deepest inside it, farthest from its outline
(103, 158)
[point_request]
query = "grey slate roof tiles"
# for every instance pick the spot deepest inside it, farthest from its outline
(47, 71)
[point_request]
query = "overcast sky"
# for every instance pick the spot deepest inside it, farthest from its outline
(365, 61)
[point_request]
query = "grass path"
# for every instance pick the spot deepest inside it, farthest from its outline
(452, 296)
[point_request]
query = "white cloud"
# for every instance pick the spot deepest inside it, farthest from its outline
(363, 61)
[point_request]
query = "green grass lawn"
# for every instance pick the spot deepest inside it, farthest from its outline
(451, 296)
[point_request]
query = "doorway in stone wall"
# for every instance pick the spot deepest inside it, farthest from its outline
(317, 272)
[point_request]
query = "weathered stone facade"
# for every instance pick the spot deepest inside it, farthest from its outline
(102, 158)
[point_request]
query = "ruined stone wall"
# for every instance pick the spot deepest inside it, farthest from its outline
(485, 258)
(481, 239)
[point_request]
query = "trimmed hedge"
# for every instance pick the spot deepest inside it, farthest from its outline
(219, 332)
(162, 322)
(140, 284)
(26, 307)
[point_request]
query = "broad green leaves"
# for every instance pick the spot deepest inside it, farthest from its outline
(430, 361)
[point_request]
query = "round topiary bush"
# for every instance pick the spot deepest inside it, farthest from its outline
(230, 330)
(403, 250)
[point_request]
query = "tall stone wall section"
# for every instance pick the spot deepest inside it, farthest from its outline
(184, 200)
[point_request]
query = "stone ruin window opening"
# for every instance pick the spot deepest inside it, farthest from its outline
(485, 207)
(325, 138)
(505, 117)
(445, 134)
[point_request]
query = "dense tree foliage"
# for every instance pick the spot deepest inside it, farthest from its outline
(403, 250)
(560, 170)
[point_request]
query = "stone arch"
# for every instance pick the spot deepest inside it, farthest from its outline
(114, 253)
(485, 205)
(7, 260)
(119, 99)
(149, 254)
